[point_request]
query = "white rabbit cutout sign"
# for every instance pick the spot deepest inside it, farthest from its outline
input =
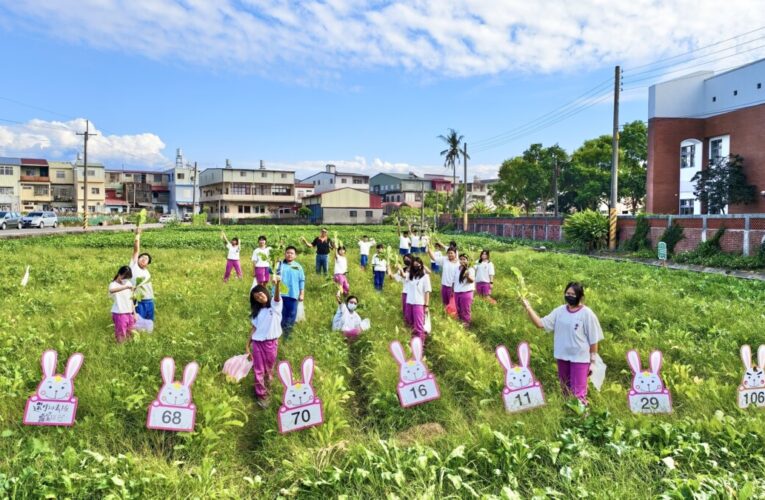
(300, 407)
(522, 390)
(173, 409)
(751, 392)
(416, 385)
(54, 403)
(648, 393)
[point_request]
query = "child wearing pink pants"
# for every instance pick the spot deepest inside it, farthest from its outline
(464, 285)
(121, 292)
(232, 261)
(484, 275)
(418, 297)
(341, 268)
(266, 319)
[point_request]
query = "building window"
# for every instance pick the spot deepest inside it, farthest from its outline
(358, 180)
(686, 206)
(332, 181)
(157, 177)
(60, 174)
(240, 189)
(128, 176)
(759, 85)
(242, 173)
(280, 191)
(6, 190)
(369, 213)
(688, 156)
(41, 190)
(6, 170)
(353, 213)
(735, 92)
(179, 176)
(262, 174)
(95, 191)
(715, 149)
(244, 209)
(714, 99)
(284, 176)
(344, 181)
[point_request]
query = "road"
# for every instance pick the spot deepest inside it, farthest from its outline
(31, 232)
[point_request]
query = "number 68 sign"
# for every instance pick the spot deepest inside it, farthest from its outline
(173, 409)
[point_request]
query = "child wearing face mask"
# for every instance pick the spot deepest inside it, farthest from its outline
(346, 319)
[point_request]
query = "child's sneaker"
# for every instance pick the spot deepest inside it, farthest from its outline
(263, 403)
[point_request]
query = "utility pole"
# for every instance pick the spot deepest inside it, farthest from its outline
(422, 206)
(465, 209)
(194, 193)
(86, 136)
(614, 163)
(555, 183)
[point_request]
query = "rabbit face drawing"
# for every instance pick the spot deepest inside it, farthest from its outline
(754, 375)
(173, 392)
(297, 394)
(646, 381)
(516, 377)
(56, 386)
(413, 369)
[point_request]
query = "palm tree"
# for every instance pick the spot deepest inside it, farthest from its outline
(452, 153)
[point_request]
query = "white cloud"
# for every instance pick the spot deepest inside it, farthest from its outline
(58, 140)
(308, 40)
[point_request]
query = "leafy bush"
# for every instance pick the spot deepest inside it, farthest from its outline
(587, 230)
(199, 219)
(712, 246)
(640, 239)
(672, 236)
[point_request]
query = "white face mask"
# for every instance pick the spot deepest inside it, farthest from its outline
(352, 306)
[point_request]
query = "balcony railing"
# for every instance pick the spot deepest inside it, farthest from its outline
(35, 178)
(249, 198)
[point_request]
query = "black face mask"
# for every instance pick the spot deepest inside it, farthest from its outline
(572, 301)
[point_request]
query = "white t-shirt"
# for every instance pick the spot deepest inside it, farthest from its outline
(123, 300)
(233, 251)
(415, 242)
(345, 320)
(465, 286)
(261, 261)
(484, 272)
(450, 270)
(341, 264)
(379, 263)
(424, 241)
(404, 242)
(268, 323)
(573, 333)
(416, 289)
(147, 287)
(364, 246)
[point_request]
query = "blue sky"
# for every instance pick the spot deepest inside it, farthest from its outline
(365, 85)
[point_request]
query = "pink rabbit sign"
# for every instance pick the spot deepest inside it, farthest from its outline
(54, 403)
(648, 393)
(173, 409)
(522, 390)
(300, 407)
(751, 392)
(416, 385)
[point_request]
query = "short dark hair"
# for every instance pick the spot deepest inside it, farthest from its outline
(291, 248)
(262, 237)
(352, 297)
(123, 272)
(380, 246)
(578, 290)
(147, 255)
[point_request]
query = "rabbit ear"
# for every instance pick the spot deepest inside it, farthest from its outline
(397, 351)
(655, 362)
(49, 360)
(73, 365)
(523, 354)
(285, 373)
(307, 369)
(746, 356)
(168, 370)
(761, 357)
(504, 357)
(416, 344)
(633, 358)
(190, 373)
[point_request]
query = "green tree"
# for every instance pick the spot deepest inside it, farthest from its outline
(586, 179)
(723, 183)
(479, 208)
(526, 180)
(633, 142)
(452, 153)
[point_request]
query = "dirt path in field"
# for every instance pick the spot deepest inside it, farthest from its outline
(741, 274)
(12, 234)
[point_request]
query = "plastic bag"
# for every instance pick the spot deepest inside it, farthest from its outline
(143, 325)
(597, 372)
(451, 307)
(237, 368)
(300, 312)
(365, 324)
(427, 325)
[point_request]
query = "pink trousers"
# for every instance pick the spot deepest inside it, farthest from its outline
(464, 301)
(446, 294)
(573, 378)
(417, 315)
(342, 280)
(405, 309)
(123, 326)
(483, 289)
(261, 274)
(263, 362)
(232, 264)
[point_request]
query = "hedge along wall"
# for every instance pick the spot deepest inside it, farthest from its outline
(744, 233)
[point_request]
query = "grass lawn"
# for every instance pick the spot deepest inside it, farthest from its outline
(462, 445)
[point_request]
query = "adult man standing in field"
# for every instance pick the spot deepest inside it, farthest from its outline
(293, 277)
(323, 245)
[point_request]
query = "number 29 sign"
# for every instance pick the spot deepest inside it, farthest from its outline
(648, 393)
(173, 409)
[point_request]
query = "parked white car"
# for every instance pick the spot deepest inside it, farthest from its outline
(39, 220)
(164, 219)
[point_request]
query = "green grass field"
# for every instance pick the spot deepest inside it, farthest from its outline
(462, 445)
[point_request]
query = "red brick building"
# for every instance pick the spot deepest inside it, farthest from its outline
(698, 118)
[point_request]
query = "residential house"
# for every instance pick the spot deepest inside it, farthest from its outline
(140, 188)
(440, 183)
(62, 186)
(10, 184)
(478, 192)
(181, 184)
(35, 184)
(96, 187)
(699, 118)
(345, 206)
(239, 193)
(303, 189)
(398, 189)
(331, 179)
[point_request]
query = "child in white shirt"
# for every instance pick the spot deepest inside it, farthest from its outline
(341, 267)
(346, 319)
(379, 267)
(232, 261)
(262, 347)
(364, 246)
(121, 292)
(484, 276)
(260, 262)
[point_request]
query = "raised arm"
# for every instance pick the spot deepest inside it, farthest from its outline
(431, 254)
(533, 316)
(223, 235)
(277, 288)
(136, 244)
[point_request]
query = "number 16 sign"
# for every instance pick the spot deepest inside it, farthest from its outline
(173, 409)
(415, 385)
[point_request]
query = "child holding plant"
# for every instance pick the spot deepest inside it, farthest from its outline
(464, 285)
(232, 261)
(402, 276)
(260, 262)
(262, 347)
(121, 292)
(346, 319)
(450, 267)
(341, 268)
(291, 273)
(484, 276)
(379, 267)
(144, 289)
(404, 243)
(364, 246)
(576, 334)
(418, 298)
